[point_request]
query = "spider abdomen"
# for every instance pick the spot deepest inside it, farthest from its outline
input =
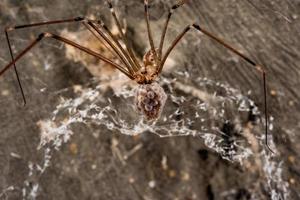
(150, 100)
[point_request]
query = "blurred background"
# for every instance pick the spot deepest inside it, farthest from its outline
(111, 158)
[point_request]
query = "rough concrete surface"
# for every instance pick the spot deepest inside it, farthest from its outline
(91, 165)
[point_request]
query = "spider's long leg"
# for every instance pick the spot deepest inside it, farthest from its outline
(258, 67)
(134, 61)
(171, 11)
(150, 37)
(69, 42)
(232, 49)
(111, 44)
(172, 46)
(15, 67)
(77, 19)
(8, 29)
(115, 40)
(100, 39)
(101, 23)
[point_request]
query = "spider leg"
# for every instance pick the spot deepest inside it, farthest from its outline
(15, 67)
(172, 46)
(259, 68)
(115, 40)
(8, 29)
(77, 19)
(100, 39)
(150, 37)
(69, 42)
(133, 60)
(171, 11)
(123, 59)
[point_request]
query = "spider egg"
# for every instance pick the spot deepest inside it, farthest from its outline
(150, 100)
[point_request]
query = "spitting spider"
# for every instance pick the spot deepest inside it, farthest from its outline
(150, 96)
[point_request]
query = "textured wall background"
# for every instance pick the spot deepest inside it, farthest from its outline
(88, 166)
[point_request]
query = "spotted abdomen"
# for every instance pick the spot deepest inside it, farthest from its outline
(150, 100)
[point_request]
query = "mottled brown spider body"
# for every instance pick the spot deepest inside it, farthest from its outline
(150, 97)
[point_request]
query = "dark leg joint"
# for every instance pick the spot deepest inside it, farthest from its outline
(175, 7)
(109, 4)
(104, 26)
(250, 61)
(187, 28)
(146, 5)
(79, 19)
(90, 23)
(21, 26)
(41, 36)
(170, 14)
(196, 26)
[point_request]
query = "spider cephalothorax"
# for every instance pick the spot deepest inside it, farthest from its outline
(149, 72)
(150, 100)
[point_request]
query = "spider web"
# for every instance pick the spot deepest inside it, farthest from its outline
(204, 109)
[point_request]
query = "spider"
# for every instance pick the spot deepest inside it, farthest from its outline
(150, 97)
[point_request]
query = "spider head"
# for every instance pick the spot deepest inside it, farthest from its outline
(150, 100)
(148, 73)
